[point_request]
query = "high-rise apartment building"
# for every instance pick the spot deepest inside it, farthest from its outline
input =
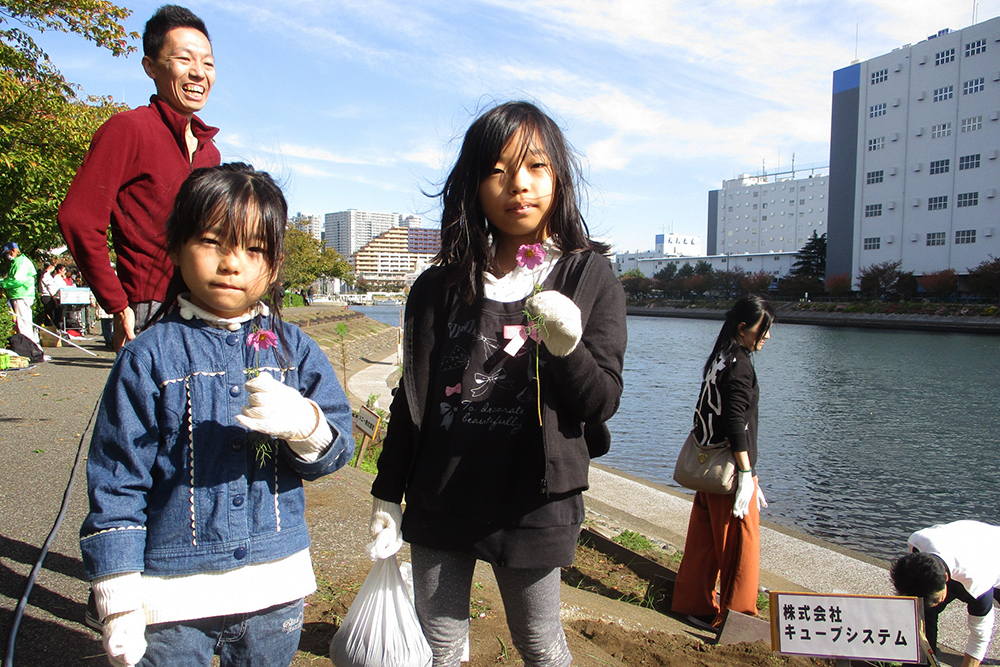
(348, 231)
(770, 213)
(914, 167)
(397, 253)
(310, 224)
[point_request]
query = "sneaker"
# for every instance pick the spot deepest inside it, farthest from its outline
(90, 616)
(703, 622)
(46, 357)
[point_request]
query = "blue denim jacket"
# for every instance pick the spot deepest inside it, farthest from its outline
(174, 484)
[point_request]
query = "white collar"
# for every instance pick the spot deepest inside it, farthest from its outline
(520, 282)
(188, 310)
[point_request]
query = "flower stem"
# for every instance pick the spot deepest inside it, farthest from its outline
(538, 385)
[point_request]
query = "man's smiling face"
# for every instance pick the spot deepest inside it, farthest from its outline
(184, 71)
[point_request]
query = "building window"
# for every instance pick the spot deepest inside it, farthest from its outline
(942, 57)
(873, 243)
(946, 93)
(938, 131)
(937, 203)
(935, 238)
(965, 236)
(873, 210)
(975, 48)
(730, 209)
(967, 199)
(972, 124)
(974, 86)
(802, 202)
(876, 110)
(874, 177)
(940, 166)
(879, 76)
(968, 162)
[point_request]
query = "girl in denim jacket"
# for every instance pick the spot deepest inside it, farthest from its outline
(196, 542)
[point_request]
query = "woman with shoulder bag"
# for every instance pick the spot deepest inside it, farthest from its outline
(723, 538)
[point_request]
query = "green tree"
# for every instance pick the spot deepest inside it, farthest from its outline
(703, 268)
(45, 127)
(635, 282)
(685, 271)
(306, 260)
(663, 277)
(810, 261)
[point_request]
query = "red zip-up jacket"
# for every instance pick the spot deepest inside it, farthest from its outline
(128, 180)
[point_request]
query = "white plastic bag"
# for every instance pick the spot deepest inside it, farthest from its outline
(381, 627)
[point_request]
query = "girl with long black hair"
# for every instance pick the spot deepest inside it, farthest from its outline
(512, 365)
(723, 538)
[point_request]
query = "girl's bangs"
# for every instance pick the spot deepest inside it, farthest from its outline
(243, 221)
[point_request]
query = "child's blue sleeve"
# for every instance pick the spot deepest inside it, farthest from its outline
(122, 453)
(318, 382)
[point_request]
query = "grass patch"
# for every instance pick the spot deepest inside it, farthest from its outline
(370, 463)
(634, 541)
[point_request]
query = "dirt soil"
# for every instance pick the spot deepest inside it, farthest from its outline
(592, 642)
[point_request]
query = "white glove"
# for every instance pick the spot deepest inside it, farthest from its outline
(280, 411)
(125, 637)
(563, 329)
(387, 517)
(744, 493)
(761, 500)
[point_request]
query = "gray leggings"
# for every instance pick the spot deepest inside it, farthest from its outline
(442, 582)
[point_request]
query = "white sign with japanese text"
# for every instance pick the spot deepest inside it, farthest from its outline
(367, 421)
(846, 626)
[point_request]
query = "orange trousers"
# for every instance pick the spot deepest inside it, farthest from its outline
(719, 549)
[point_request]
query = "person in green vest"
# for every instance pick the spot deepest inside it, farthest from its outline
(20, 288)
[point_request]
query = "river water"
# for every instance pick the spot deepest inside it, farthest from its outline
(865, 435)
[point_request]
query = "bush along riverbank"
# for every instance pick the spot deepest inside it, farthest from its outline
(900, 315)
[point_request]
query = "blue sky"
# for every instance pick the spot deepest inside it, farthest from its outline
(362, 103)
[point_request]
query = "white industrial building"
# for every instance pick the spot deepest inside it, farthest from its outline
(667, 246)
(769, 213)
(914, 168)
(778, 263)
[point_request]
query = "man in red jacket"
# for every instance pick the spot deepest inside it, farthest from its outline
(134, 168)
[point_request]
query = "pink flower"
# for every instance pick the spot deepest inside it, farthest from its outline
(262, 339)
(530, 255)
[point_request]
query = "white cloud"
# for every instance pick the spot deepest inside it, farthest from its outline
(323, 155)
(431, 157)
(306, 170)
(231, 139)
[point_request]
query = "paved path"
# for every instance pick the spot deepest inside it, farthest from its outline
(371, 380)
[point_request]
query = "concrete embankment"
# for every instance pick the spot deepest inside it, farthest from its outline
(786, 315)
